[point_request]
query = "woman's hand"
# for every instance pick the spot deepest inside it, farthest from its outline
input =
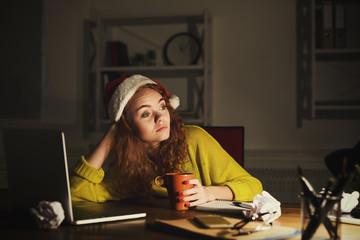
(200, 194)
(102, 150)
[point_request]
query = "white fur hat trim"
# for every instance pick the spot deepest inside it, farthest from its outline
(125, 90)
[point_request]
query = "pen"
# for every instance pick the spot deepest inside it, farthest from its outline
(244, 205)
(257, 215)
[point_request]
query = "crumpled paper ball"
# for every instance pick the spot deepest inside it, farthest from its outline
(349, 201)
(266, 203)
(49, 215)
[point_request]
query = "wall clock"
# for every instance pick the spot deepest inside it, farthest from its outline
(182, 49)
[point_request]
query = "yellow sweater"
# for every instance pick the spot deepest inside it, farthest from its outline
(209, 162)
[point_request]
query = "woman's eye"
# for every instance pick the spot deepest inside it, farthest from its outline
(145, 114)
(163, 107)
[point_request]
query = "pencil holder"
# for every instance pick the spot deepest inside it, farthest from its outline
(319, 222)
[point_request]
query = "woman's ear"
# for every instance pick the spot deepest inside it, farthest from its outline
(125, 121)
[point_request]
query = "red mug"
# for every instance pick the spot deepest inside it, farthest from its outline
(174, 182)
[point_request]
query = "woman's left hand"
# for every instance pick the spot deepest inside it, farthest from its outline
(196, 195)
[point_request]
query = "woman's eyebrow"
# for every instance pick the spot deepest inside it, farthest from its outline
(147, 105)
(142, 106)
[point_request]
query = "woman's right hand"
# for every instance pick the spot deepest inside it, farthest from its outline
(102, 150)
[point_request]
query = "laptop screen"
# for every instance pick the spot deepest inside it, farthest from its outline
(37, 170)
(36, 166)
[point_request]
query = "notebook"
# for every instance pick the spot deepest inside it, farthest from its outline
(223, 206)
(189, 228)
(37, 170)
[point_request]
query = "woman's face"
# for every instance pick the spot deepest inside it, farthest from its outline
(149, 115)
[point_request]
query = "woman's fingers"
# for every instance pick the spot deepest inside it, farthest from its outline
(195, 195)
(190, 191)
(193, 190)
(192, 181)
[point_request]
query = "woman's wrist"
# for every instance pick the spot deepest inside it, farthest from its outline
(100, 153)
(218, 193)
(209, 193)
(111, 131)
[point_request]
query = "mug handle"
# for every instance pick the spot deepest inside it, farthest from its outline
(156, 179)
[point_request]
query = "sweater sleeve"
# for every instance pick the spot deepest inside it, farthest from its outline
(216, 167)
(87, 183)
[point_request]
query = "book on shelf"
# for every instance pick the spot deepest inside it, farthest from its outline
(327, 31)
(318, 26)
(339, 37)
(116, 54)
(330, 25)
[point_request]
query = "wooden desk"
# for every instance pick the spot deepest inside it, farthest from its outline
(138, 229)
(291, 217)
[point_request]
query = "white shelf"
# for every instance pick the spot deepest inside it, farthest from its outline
(154, 68)
(337, 51)
(337, 54)
(110, 27)
(181, 71)
(329, 73)
(338, 107)
(114, 19)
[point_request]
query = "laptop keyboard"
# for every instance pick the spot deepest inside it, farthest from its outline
(101, 211)
(81, 213)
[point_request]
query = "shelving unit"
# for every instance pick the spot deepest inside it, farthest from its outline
(140, 34)
(328, 73)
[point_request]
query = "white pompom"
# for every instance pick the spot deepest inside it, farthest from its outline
(174, 101)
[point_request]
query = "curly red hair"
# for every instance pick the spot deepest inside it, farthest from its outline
(137, 167)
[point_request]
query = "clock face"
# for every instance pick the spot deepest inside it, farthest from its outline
(182, 49)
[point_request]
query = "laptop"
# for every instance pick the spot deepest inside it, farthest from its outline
(37, 170)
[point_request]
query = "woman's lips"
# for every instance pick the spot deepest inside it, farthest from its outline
(161, 128)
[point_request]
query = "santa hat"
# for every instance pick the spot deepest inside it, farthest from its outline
(118, 93)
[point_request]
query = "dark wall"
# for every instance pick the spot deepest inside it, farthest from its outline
(20, 51)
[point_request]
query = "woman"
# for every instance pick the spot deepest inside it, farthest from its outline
(148, 139)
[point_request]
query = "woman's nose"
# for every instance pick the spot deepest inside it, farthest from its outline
(158, 117)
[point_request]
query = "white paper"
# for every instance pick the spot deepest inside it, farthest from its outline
(49, 215)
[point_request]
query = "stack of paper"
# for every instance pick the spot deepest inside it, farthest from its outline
(225, 207)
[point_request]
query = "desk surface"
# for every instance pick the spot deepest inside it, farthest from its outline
(138, 229)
